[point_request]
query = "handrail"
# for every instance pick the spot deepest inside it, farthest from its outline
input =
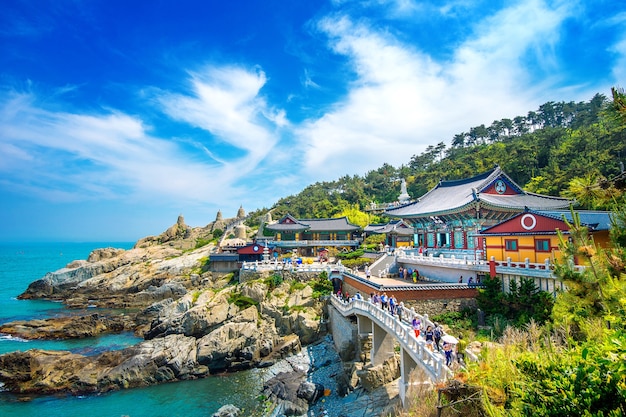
(432, 363)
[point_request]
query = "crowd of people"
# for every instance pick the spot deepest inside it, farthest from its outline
(432, 334)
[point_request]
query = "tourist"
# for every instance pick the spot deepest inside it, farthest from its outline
(368, 273)
(415, 275)
(406, 274)
(470, 280)
(357, 296)
(377, 299)
(447, 349)
(392, 305)
(417, 325)
(384, 300)
(400, 311)
(438, 332)
(460, 350)
(461, 279)
(400, 272)
(429, 336)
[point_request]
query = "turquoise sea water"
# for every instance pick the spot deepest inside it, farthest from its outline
(23, 263)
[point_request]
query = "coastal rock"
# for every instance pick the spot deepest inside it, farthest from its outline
(161, 360)
(373, 377)
(230, 343)
(192, 317)
(228, 410)
(70, 327)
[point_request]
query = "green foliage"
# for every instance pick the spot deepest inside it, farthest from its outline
(241, 301)
(356, 263)
(457, 321)
(200, 242)
(588, 380)
(355, 215)
(217, 233)
(375, 239)
(273, 281)
(322, 285)
(296, 286)
(524, 302)
(203, 265)
(350, 255)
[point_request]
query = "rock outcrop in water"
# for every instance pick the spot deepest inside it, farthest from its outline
(194, 322)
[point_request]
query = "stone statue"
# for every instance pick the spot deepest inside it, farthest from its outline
(404, 195)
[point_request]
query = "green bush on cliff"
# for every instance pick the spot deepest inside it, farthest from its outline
(322, 285)
(273, 281)
(241, 300)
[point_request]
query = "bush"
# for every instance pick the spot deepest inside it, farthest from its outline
(273, 281)
(241, 301)
(350, 255)
(322, 286)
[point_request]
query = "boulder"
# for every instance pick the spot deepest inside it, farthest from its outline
(228, 410)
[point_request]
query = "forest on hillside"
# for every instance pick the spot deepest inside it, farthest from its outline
(572, 150)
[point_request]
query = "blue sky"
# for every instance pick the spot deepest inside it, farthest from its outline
(116, 117)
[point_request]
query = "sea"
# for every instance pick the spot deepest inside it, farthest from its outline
(23, 263)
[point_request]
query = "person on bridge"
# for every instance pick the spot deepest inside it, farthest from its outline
(447, 349)
(400, 311)
(437, 333)
(460, 350)
(429, 336)
(392, 304)
(417, 326)
(384, 300)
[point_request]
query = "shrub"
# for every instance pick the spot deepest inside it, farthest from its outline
(241, 301)
(273, 281)
(322, 285)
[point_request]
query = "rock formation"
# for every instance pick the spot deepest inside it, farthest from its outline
(193, 323)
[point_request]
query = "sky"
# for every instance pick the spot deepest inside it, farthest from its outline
(117, 117)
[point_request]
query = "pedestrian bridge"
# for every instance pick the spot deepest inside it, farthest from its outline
(385, 330)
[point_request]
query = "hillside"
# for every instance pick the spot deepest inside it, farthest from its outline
(560, 149)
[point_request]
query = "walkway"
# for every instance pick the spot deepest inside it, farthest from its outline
(385, 329)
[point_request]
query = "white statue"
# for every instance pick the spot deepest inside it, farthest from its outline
(404, 195)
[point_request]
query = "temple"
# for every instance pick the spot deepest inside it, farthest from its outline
(451, 215)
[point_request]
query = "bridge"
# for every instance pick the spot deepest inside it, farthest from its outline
(386, 330)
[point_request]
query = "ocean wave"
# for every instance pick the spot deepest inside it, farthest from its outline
(11, 338)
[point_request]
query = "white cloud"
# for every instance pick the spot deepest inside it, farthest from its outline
(402, 100)
(225, 101)
(72, 157)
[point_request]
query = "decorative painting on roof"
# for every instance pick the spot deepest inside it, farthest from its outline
(501, 186)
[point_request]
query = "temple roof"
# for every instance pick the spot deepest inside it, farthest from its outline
(490, 190)
(537, 221)
(394, 226)
(290, 224)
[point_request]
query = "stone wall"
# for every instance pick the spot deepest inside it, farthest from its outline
(431, 302)
(344, 334)
(250, 275)
(436, 307)
(424, 293)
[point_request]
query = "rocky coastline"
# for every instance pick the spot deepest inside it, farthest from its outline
(194, 323)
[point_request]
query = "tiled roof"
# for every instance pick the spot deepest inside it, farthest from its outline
(459, 195)
(394, 226)
(329, 225)
(314, 225)
(594, 220)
